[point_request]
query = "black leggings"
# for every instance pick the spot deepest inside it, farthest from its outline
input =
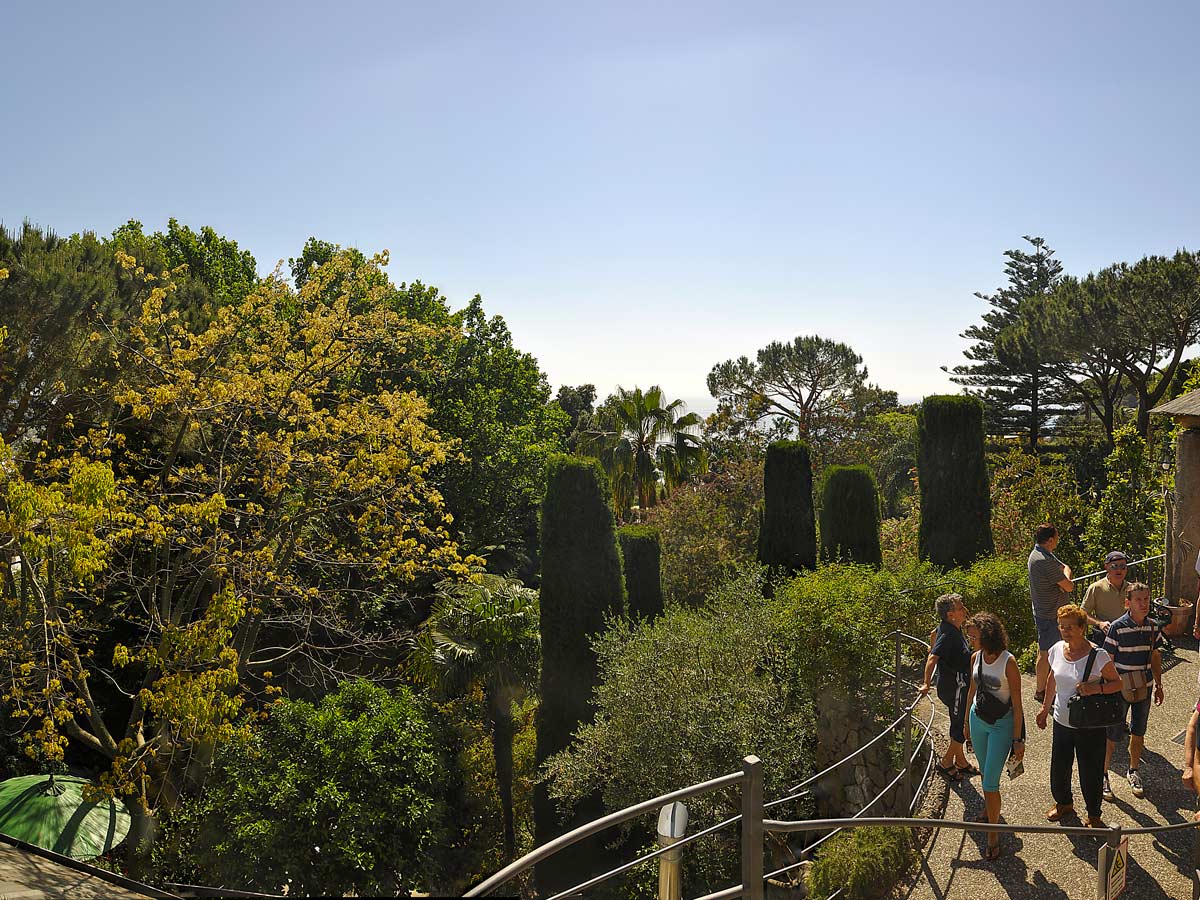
(1087, 746)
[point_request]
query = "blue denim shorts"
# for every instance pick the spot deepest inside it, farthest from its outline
(1047, 632)
(1139, 716)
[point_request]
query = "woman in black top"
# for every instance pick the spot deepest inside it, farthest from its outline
(952, 658)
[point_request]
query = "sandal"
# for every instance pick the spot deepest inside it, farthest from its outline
(993, 851)
(968, 770)
(950, 773)
(1056, 812)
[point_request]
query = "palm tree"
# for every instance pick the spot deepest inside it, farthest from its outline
(484, 634)
(640, 442)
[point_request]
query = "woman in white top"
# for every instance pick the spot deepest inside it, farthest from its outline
(1068, 661)
(996, 723)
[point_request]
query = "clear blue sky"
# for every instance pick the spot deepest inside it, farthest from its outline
(641, 189)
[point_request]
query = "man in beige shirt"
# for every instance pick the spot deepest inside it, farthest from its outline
(1105, 599)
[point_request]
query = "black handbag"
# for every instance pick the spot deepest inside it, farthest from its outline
(988, 706)
(1098, 710)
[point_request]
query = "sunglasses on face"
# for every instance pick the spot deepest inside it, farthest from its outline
(1115, 566)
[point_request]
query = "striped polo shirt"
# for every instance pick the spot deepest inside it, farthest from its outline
(1130, 644)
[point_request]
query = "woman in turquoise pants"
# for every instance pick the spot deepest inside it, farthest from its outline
(996, 724)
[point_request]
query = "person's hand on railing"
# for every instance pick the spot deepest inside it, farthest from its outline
(923, 689)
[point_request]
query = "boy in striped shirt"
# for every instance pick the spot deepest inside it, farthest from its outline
(1130, 642)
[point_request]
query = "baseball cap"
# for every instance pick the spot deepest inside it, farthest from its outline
(1114, 555)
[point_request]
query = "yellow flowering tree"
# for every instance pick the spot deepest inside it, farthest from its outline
(241, 500)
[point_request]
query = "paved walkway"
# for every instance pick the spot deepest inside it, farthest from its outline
(1055, 866)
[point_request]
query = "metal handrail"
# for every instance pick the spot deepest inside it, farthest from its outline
(1003, 827)
(1129, 565)
(588, 829)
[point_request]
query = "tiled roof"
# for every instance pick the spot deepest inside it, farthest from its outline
(1184, 405)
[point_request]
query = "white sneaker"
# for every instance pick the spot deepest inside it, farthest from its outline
(1107, 790)
(1135, 783)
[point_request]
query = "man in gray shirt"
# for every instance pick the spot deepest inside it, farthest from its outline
(1049, 588)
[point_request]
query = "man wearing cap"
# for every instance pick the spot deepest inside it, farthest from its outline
(1104, 601)
(1049, 588)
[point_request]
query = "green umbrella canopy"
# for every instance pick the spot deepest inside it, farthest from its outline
(49, 811)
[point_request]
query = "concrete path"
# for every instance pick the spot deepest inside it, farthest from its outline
(1055, 866)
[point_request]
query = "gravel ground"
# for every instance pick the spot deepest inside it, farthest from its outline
(1059, 866)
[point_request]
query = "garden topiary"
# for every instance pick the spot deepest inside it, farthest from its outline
(581, 585)
(787, 539)
(956, 505)
(850, 516)
(641, 558)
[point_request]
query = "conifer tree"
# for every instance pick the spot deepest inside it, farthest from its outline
(581, 584)
(1011, 363)
(850, 516)
(641, 559)
(788, 537)
(956, 505)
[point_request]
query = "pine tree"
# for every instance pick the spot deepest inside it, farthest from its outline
(581, 584)
(641, 557)
(787, 539)
(1010, 366)
(956, 504)
(850, 516)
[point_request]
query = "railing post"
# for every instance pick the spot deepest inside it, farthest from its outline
(896, 681)
(1104, 862)
(672, 825)
(906, 762)
(752, 829)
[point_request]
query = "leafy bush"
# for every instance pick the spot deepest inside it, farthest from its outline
(641, 560)
(1130, 515)
(955, 504)
(709, 531)
(864, 863)
(850, 515)
(342, 796)
(683, 699)
(1026, 491)
(788, 538)
(1000, 586)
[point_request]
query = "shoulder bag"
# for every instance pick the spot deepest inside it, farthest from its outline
(1097, 710)
(988, 706)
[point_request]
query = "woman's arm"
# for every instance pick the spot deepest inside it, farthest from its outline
(1048, 702)
(1013, 674)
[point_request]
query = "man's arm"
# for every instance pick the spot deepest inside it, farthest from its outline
(1065, 583)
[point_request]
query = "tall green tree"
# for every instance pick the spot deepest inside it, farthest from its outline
(581, 587)
(641, 439)
(787, 540)
(850, 516)
(485, 634)
(955, 528)
(641, 560)
(812, 382)
(1009, 367)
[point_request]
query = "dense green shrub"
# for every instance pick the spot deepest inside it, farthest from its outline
(1028, 490)
(709, 530)
(863, 863)
(1130, 515)
(683, 699)
(788, 537)
(850, 516)
(1000, 586)
(955, 502)
(343, 796)
(641, 559)
(581, 586)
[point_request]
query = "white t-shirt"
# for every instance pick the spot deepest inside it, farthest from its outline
(995, 676)
(1067, 675)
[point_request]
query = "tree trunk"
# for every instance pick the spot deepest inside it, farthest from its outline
(502, 735)
(143, 832)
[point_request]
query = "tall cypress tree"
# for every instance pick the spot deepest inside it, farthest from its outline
(956, 503)
(641, 559)
(581, 584)
(787, 539)
(1011, 365)
(850, 515)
